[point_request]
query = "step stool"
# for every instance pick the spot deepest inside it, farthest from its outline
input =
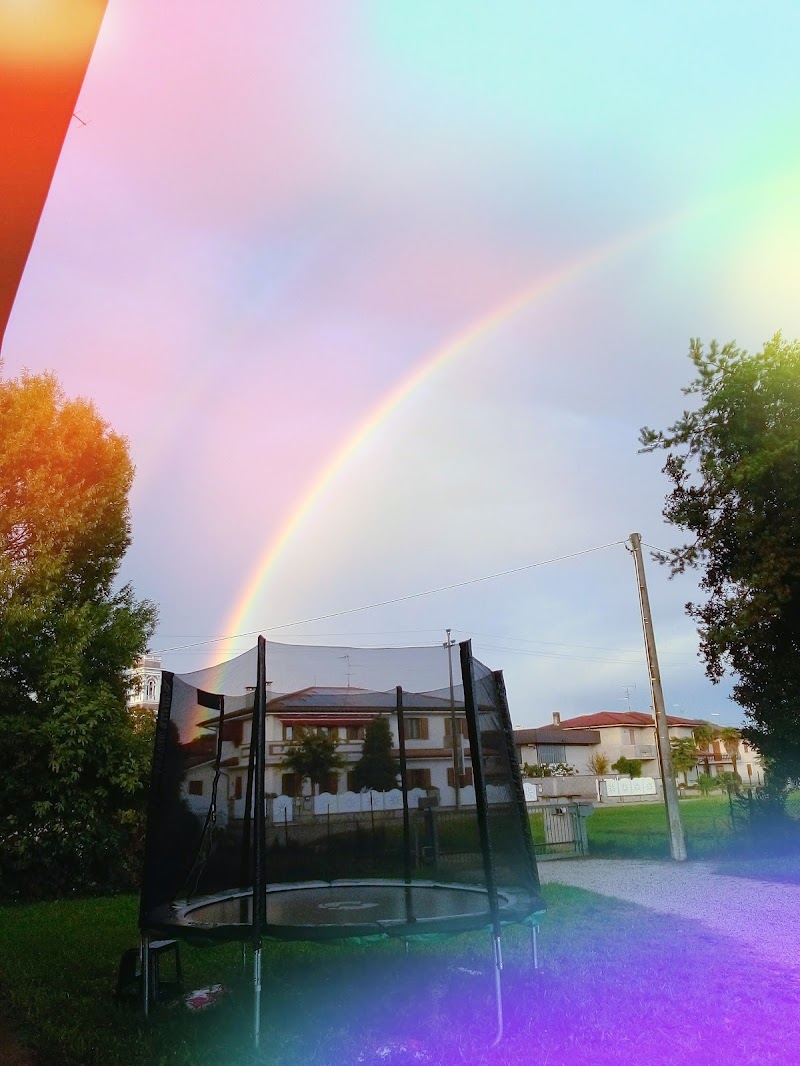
(129, 975)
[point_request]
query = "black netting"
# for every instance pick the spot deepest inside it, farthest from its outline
(416, 824)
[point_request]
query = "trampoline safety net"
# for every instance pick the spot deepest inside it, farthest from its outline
(303, 792)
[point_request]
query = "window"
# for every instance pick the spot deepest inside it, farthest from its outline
(464, 779)
(418, 778)
(356, 732)
(195, 788)
(291, 784)
(351, 782)
(237, 787)
(232, 731)
(290, 732)
(631, 736)
(551, 753)
(460, 723)
(416, 729)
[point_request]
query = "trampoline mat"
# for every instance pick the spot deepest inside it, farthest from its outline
(354, 908)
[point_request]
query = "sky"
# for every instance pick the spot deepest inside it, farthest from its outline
(381, 294)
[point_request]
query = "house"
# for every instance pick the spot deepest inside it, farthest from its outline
(632, 735)
(341, 713)
(628, 734)
(554, 744)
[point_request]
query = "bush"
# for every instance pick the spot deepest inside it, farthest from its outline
(707, 782)
(731, 782)
(631, 767)
(62, 857)
(549, 769)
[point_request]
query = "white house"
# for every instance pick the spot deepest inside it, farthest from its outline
(632, 734)
(342, 713)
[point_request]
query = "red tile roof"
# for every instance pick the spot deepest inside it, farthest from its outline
(621, 718)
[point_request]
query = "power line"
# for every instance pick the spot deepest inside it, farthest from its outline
(563, 644)
(396, 599)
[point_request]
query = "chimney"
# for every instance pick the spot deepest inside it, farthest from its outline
(556, 718)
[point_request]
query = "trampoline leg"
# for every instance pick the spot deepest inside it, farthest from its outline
(498, 988)
(257, 997)
(146, 975)
(535, 946)
(407, 947)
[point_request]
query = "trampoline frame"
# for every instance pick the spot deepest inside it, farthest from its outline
(259, 928)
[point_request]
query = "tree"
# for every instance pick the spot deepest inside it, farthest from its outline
(313, 757)
(631, 767)
(599, 764)
(376, 769)
(704, 735)
(734, 468)
(731, 738)
(684, 756)
(76, 762)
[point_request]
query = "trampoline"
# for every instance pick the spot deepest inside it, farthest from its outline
(340, 910)
(230, 857)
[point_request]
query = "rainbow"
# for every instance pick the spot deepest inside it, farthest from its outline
(429, 366)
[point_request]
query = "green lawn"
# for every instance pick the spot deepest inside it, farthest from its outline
(640, 830)
(619, 984)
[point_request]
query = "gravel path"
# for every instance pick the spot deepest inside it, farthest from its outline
(760, 914)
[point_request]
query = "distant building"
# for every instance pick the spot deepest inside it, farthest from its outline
(146, 683)
(632, 735)
(553, 744)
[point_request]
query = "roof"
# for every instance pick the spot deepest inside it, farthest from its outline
(324, 701)
(327, 698)
(551, 734)
(622, 718)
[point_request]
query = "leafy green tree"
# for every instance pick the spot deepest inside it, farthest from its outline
(631, 767)
(377, 769)
(76, 762)
(313, 757)
(733, 463)
(684, 756)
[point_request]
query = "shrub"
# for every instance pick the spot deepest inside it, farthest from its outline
(707, 782)
(549, 769)
(631, 767)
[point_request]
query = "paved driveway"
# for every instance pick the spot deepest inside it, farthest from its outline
(760, 914)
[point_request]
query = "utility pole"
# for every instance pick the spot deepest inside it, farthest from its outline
(677, 844)
(455, 735)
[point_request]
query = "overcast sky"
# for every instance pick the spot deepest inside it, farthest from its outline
(381, 293)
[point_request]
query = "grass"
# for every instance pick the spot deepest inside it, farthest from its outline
(619, 984)
(640, 830)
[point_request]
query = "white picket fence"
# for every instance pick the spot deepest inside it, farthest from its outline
(282, 810)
